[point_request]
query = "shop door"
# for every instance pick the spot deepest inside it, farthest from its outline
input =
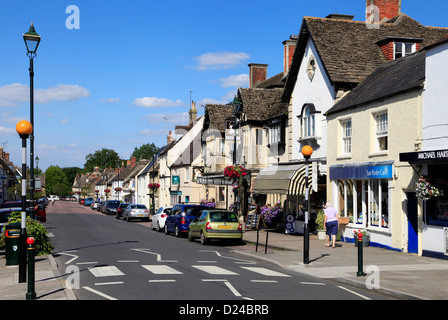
(412, 222)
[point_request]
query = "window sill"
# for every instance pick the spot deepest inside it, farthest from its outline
(344, 157)
(309, 138)
(379, 154)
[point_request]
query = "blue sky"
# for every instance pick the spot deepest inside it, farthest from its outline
(124, 77)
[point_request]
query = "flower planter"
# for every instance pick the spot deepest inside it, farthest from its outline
(321, 234)
(365, 241)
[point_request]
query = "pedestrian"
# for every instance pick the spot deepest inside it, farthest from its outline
(331, 224)
(52, 201)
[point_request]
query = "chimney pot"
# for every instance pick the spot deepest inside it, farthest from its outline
(387, 9)
(257, 73)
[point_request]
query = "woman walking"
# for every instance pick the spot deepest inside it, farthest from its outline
(331, 224)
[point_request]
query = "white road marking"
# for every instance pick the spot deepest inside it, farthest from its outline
(262, 281)
(161, 269)
(355, 293)
(314, 283)
(167, 280)
(266, 272)
(107, 271)
(128, 261)
(70, 255)
(93, 262)
(215, 270)
(100, 293)
(108, 283)
(232, 288)
(159, 257)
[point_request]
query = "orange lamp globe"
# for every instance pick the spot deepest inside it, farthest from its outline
(307, 151)
(24, 127)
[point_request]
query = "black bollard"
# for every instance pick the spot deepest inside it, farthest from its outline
(360, 257)
(31, 294)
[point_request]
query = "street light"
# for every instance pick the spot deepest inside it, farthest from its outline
(237, 111)
(32, 40)
(23, 128)
(307, 151)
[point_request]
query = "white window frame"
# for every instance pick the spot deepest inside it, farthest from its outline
(402, 46)
(381, 131)
(346, 136)
(308, 123)
(275, 134)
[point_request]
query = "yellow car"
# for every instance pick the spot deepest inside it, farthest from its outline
(215, 224)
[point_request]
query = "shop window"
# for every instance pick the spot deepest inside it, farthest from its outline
(378, 203)
(381, 121)
(346, 199)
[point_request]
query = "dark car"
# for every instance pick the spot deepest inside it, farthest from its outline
(6, 208)
(111, 207)
(180, 217)
(120, 210)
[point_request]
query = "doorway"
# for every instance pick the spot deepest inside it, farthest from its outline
(412, 222)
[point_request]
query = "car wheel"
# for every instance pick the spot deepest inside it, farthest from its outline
(166, 229)
(190, 237)
(116, 216)
(176, 232)
(157, 226)
(204, 240)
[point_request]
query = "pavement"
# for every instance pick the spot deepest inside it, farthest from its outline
(401, 275)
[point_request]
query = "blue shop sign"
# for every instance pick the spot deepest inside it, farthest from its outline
(361, 172)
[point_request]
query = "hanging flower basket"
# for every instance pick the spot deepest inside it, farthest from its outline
(271, 213)
(209, 203)
(425, 190)
(235, 172)
(154, 186)
(106, 190)
(118, 189)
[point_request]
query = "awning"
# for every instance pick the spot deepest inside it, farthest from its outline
(283, 179)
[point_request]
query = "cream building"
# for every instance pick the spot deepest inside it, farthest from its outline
(367, 130)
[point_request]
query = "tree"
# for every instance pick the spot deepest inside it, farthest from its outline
(101, 158)
(70, 173)
(146, 151)
(54, 178)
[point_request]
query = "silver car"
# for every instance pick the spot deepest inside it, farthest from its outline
(136, 211)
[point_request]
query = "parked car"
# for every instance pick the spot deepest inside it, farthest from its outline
(111, 207)
(120, 210)
(6, 208)
(82, 201)
(180, 217)
(215, 224)
(88, 201)
(158, 220)
(94, 205)
(136, 211)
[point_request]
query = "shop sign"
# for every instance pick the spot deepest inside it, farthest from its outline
(175, 180)
(361, 172)
(424, 155)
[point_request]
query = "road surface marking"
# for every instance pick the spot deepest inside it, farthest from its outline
(314, 283)
(159, 257)
(263, 281)
(355, 293)
(70, 255)
(107, 271)
(215, 270)
(167, 280)
(161, 269)
(100, 293)
(108, 283)
(266, 272)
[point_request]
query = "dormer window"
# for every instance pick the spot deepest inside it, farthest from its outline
(403, 49)
(394, 48)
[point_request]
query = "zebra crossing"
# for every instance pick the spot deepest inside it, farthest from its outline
(160, 269)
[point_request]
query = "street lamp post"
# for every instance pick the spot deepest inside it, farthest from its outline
(307, 151)
(236, 104)
(24, 129)
(32, 40)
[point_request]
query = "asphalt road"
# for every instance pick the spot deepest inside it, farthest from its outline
(103, 258)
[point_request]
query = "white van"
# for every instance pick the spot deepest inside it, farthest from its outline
(53, 197)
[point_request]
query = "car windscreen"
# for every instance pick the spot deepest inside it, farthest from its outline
(223, 216)
(138, 206)
(194, 210)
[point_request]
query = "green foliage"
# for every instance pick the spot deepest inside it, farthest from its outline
(103, 158)
(54, 178)
(34, 229)
(146, 151)
(320, 219)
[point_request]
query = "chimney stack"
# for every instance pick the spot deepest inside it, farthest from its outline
(257, 73)
(386, 8)
(289, 47)
(133, 162)
(169, 138)
(193, 112)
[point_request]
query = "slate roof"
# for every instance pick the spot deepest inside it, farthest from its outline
(391, 78)
(349, 50)
(262, 104)
(216, 115)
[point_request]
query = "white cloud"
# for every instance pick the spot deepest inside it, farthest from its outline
(65, 121)
(220, 60)
(16, 93)
(153, 102)
(110, 100)
(6, 131)
(240, 80)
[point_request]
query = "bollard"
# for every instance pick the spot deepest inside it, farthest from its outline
(31, 294)
(360, 258)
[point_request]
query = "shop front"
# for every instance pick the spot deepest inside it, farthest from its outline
(431, 191)
(363, 193)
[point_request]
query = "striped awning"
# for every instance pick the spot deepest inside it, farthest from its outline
(283, 179)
